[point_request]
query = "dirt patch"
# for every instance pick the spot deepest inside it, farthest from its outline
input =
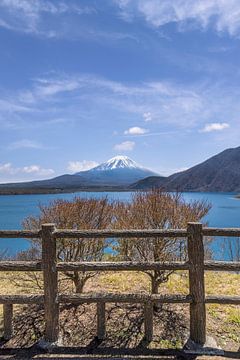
(124, 326)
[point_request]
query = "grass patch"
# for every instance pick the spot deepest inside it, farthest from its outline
(234, 316)
(223, 321)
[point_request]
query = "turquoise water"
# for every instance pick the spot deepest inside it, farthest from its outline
(225, 211)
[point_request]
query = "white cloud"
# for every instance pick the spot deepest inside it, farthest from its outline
(36, 169)
(135, 130)
(28, 15)
(6, 168)
(147, 116)
(179, 106)
(31, 172)
(25, 144)
(75, 166)
(125, 146)
(44, 18)
(215, 127)
(222, 15)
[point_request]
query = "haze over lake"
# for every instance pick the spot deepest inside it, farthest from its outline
(225, 212)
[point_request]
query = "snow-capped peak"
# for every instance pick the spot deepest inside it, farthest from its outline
(118, 162)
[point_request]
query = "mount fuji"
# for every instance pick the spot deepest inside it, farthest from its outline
(118, 171)
(115, 174)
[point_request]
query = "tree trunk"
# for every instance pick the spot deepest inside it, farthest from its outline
(154, 289)
(79, 287)
(154, 285)
(79, 283)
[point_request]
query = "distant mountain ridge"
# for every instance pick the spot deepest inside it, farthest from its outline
(220, 173)
(148, 183)
(115, 174)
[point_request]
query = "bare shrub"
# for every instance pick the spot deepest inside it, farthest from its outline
(156, 209)
(79, 214)
(153, 209)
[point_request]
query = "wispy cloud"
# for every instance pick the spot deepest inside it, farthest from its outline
(125, 146)
(75, 166)
(221, 15)
(45, 19)
(8, 172)
(46, 88)
(28, 15)
(25, 144)
(135, 130)
(215, 127)
(61, 99)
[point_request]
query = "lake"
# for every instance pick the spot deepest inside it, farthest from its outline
(225, 212)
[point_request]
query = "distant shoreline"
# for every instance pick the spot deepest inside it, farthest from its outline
(61, 191)
(41, 191)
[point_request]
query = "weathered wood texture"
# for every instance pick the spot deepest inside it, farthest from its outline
(20, 266)
(196, 283)
(20, 234)
(101, 320)
(143, 266)
(234, 300)
(222, 265)
(121, 266)
(178, 233)
(50, 276)
(123, 298)
(117, 266)
(8, 321)
(21, 299)
(59, 233)
(233, 232)
(91, 298)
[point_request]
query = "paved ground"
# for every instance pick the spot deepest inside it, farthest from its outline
(35, 353)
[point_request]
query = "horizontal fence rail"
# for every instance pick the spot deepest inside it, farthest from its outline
(15, 234)
(179, 233)
(21, 299)
(125, 298)
(117, 266)
(171, 233)
(117, 298)
(51, 298)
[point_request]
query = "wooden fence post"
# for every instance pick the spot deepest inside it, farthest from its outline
(196, 283)
(7, 321)
(148, 321)
(50, 278)
(101, 320)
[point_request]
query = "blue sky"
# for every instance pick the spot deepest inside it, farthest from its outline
(83, 81)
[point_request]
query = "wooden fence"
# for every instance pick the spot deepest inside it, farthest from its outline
(50, 267)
